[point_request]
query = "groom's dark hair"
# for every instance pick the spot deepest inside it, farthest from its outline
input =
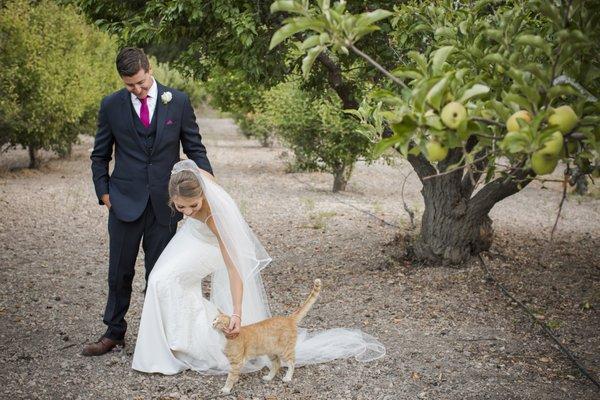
(130, 60)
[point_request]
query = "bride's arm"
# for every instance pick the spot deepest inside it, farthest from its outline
(235, 281)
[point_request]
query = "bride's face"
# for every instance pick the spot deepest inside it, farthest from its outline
(188, 206)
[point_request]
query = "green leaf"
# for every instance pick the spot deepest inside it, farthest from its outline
(494, 34)
(405, 127)
(311, 41)
(419, 59)
(434, 121)
(475, 90)
(419, 28)
(386, 96)
(419, 93)
(561, 90)
(287, 6)
(406, 73)
(535, 41)
(360, 32)
(515, 142)
(442, 32)
(348, 23)
(309, 60)
(436, 93)
(439, 58)
(543, 74)
(369, 18)
(283, 33)
(519, 100)
(500, 108)
(494, 58)
(324, 38)
(384, 144)
(551, 11)
(532, 93)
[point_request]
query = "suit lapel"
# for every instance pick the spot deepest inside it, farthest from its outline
(127, 116)
(161, 115)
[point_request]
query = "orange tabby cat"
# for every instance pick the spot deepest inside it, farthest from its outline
(273, 337)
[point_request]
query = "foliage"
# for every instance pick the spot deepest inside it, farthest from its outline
(492, 91)
(227, 44)
(493, 59)
(55, 69)
(322, 137)
(169, 76)
(232, 92)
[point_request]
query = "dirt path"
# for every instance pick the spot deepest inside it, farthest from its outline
(448, 332)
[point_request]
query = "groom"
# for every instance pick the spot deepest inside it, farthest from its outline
(144, 123)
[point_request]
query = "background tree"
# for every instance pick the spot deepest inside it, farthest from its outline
(171, 77)
(314, 126)
(227, 43)
(491, 93)
(54, 70)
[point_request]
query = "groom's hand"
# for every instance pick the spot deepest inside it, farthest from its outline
(106, 200)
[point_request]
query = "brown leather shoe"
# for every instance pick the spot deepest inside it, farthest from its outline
(102, 346)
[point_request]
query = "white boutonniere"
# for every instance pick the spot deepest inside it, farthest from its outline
(166, 97)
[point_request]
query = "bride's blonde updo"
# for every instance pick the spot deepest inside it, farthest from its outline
(184, 184)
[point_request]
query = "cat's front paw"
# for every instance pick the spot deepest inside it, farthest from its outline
(226, 390)
(268, 378)
(287, 379)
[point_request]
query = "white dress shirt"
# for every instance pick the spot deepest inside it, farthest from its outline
(152, 94)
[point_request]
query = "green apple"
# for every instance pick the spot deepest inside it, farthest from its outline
(564, 118)
(436, 151)
(543, 163)
(511, 123)
(453, 114)
(554, 145)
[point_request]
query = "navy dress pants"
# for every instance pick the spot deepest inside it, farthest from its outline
(125, 238)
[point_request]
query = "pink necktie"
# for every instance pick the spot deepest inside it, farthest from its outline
(145, 112)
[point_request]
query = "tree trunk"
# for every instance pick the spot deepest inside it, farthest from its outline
(33, 161)
(341, 176)
(455, 224)
(451, 230)
(68, 152)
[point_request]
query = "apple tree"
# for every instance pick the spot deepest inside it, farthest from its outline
(484, 97)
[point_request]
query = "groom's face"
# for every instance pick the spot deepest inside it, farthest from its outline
(140, 83)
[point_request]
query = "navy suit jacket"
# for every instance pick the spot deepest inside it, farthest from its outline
(139, 175)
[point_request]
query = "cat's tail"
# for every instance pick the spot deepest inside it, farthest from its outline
(312, 297)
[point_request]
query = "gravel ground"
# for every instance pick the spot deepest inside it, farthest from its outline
(449, 333)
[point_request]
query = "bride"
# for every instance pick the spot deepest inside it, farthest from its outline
(175, 330)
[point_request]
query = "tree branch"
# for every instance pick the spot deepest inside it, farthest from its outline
(473, 173)
(422, 167)
(336, 80)
(499, 189)
(378, 66)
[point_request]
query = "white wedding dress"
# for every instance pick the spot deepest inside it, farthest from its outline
(176, 330)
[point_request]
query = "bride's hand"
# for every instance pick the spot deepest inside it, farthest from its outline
(234, 327)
